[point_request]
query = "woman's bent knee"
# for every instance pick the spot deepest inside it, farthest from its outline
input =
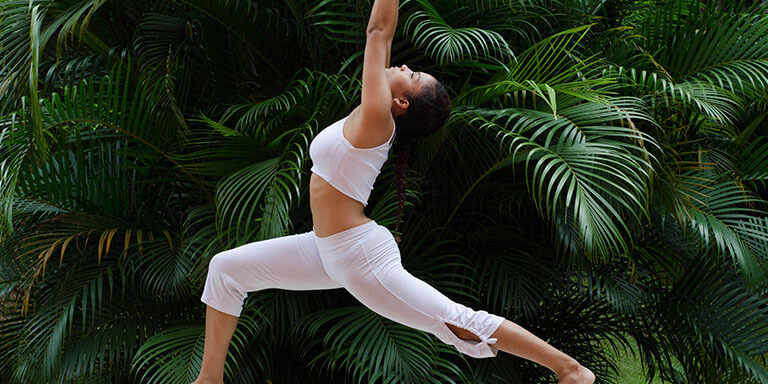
(221, 291)
(222, 271)
(216, 261)
(221, 263)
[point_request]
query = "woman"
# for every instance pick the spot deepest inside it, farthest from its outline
(346, 248)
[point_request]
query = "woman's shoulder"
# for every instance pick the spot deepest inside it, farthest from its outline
(366, 134)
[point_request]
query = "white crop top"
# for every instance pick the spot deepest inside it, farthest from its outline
(349, 169)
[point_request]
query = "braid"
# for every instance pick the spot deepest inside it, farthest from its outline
(428, 111)
(403, 150)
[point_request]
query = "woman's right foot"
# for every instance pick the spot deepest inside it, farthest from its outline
(582, 375)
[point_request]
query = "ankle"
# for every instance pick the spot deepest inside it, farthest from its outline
(567, 367)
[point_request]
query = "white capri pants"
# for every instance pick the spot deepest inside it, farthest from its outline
(365, 260)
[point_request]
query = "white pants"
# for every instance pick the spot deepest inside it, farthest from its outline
(365, 260)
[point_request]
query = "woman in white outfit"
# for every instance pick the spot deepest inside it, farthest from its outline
(346, 248)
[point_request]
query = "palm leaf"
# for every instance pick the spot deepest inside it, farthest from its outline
(716, 214)
(723, 316)
(752, 163)
(372, 347)
(446, 43)
(174, 355)
(14, 147)
(593, 176)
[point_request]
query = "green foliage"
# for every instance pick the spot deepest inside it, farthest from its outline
(601, 181)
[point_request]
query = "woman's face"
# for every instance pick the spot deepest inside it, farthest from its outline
(401, 80)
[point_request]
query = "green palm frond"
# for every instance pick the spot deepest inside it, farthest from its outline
(707, 98)
(200, 241)
(714, 60)
(433, 258)
(72, 68)
(513, 278)
(262, 192)
(544, 70)
(60, 195)
(371, 347)
(732, 75)
(106, 102)
(14, 146)
(71, 229)
(158, 36)
(722, 216)
(173, 355)
(717, 215)
(523, 18)
(247, 24)
(383, 203)
(11, 325)
(35, 128)
(698, 95)
(20, 42)
(85, 176)
(273, 313)
(714, 45)
(69, 21)
(552, 59)
(88, 174)
(165, 41)
(340, 21)
(26, 20)
(753, 161)
(576, 160)
(99, 352)
(614, 284)
(723, 317)
(83, 325)
(446, 43)
(307, 90)
(578, 326)
(167, 266)
(220, 152)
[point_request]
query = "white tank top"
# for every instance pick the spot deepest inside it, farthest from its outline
(349, 169)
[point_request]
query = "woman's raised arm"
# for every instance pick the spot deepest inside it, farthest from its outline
(376, 96)
(384, 17)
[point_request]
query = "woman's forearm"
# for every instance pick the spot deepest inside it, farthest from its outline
(384, 16)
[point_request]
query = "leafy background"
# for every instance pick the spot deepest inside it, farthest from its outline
(601, 181)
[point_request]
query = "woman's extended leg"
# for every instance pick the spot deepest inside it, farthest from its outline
(368, 263)
(289, 262)
(516, 340)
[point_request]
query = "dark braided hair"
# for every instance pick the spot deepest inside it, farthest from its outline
(426, 114)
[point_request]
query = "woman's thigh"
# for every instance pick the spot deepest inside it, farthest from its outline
(370, 269)
(289, 262)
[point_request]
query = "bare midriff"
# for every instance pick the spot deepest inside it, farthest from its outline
(333, 211)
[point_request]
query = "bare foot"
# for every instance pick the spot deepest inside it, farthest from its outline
(581, 375)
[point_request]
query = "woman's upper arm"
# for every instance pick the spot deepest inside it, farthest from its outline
(376, 99)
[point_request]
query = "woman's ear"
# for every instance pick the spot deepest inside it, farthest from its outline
(401, 102)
